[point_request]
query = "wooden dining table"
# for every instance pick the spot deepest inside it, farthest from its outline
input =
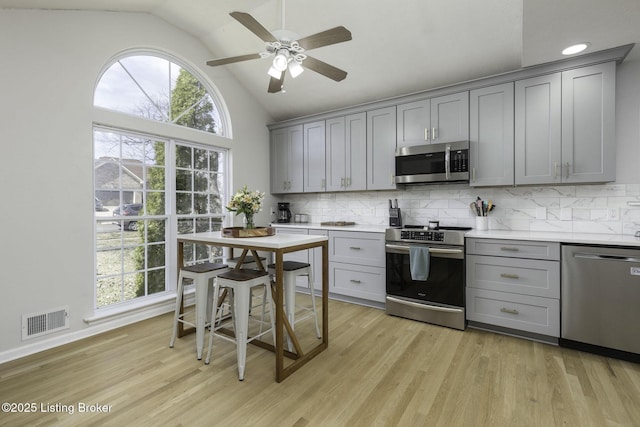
(278, 244)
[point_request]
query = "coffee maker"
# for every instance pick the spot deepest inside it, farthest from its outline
(284, 214)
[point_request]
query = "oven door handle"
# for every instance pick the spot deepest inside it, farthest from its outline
(432, 250)
(422, 306)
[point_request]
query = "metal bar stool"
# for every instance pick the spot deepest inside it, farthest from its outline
(291, 270)
(201, 274)
(241, 281)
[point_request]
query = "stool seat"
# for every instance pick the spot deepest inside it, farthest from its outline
(242, 275)
(205, 267)
(291, 265)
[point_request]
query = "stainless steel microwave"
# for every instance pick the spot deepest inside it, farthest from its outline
(443, 162)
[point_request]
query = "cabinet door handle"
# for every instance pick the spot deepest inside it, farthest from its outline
(509, 248)
(393, 180)
(434, 134)
(509, 310)
(426, 134)
(509, 276)
(567, 170)
(341, 182)
(555, 170)
(473, 174)
(348, 182)
(323, 183)
(355, 281)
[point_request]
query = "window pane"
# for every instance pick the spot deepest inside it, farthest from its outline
(183, 203)
(184, 179)
(183, 157)
(200, 204)
(200, 181)
(156, 256)
(155, 179)
(156, 231)
(158, 89)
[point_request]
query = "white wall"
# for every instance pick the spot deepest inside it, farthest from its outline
(518, 208)
(50, 62)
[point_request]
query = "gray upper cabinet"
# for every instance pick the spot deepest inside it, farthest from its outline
(538, 132)
(286, 160)
(565, 130)
(441, 119)
(381, 148)
(588, 124)
(314, 157)
(450, 118)
(346, 141)
(414, 123)
(491, 135)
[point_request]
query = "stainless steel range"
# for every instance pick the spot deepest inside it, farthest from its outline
(439, 298)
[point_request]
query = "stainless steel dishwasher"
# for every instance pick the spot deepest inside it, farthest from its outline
(601, 300)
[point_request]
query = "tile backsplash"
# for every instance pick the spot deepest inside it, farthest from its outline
(601, 208)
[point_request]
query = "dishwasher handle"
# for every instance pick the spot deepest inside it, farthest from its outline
(605, 257)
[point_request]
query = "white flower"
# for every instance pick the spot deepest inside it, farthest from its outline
(246, 202)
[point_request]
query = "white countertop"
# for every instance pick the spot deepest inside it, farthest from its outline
(277, 241)
(365, 228)
(546, 236)
(562, 237)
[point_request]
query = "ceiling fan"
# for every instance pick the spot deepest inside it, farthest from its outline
(288, 51)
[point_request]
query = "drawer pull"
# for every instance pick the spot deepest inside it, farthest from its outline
(355, 281)
(509, 248)
(507, 310)
(509, 276)
(355, 248)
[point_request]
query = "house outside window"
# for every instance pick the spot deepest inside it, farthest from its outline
(150, 188)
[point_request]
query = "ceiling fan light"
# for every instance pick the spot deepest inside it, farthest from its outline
(274, 73)
(281, 60)
(295, 69)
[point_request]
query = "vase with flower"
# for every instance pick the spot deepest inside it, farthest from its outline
(248, 203)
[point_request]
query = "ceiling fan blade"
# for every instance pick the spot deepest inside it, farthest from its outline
(232, 59)
(254, 26)
(325, 38)
(325, 69)
(275, 85)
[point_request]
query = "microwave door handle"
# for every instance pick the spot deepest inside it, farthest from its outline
(447, 158)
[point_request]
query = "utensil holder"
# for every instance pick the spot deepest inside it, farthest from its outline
(482, 223)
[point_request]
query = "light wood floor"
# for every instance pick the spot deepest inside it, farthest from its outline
(378, 370)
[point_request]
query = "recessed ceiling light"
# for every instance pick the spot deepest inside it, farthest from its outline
(576, 48)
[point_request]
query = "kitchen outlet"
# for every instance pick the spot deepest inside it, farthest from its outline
(612, 214)
(541, 213)
(565, 214)
(273, 211)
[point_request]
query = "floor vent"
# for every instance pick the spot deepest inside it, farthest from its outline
(47, 322)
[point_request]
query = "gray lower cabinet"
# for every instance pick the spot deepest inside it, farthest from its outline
(491, 135)
(356, 265)
(514, 286)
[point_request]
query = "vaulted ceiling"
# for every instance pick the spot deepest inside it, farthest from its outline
(398, 47)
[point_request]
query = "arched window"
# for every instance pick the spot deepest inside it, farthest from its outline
(158, 89)
(150, 188)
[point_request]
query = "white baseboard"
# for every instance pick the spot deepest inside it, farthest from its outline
(97, 327)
